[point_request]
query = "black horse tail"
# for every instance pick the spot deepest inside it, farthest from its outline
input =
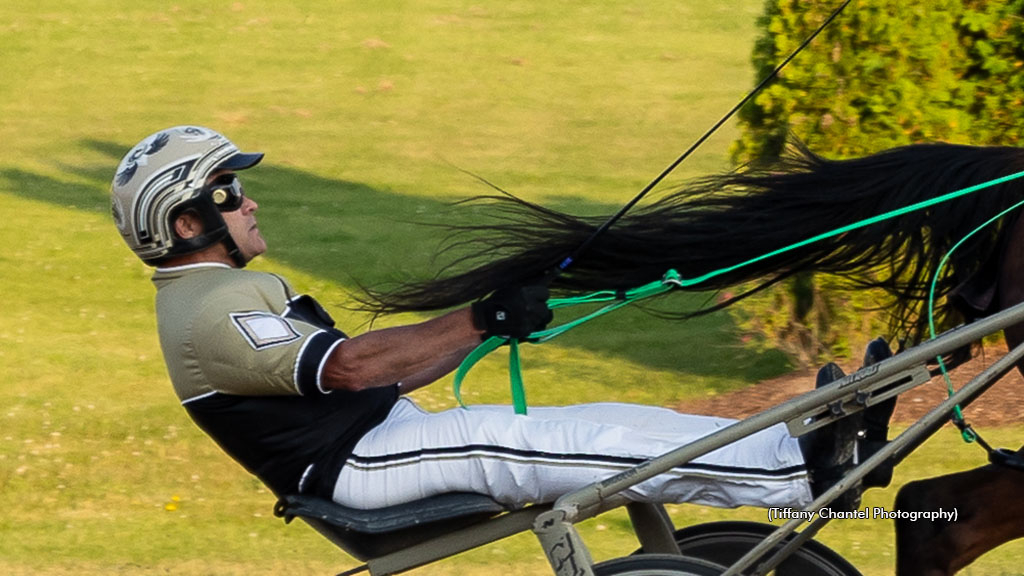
(720, 221)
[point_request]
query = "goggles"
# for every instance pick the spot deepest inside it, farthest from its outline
(226, 192)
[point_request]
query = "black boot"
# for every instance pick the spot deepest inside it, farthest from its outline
(875, 434)
(828, 451)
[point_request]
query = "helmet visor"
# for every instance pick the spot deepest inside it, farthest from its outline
(240, 161)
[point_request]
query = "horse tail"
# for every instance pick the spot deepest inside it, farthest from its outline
(716, 222)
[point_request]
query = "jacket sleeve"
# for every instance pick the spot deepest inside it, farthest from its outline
(244, 347)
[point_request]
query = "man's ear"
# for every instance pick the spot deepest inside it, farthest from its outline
(187, 225)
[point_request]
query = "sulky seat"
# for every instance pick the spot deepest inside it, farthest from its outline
(373, 533)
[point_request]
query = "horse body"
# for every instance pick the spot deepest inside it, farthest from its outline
(720, 222)
(991, 511)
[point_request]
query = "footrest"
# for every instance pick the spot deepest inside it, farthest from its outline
(390, 519)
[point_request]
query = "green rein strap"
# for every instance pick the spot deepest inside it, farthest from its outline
(617, 300)
(968, 433)
(672, 279)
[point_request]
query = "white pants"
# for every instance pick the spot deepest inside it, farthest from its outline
(538, 457)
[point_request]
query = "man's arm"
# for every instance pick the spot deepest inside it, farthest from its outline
(405, 353)
(435, 372)
(418, 354)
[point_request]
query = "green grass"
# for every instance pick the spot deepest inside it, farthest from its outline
(366, 112)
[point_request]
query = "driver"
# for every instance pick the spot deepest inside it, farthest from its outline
(265, 372)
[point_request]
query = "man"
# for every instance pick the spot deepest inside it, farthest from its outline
(307, 409)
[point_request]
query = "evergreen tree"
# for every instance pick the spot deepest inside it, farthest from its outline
(883, 74)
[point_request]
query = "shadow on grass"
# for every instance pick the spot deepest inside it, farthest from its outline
(353, 234)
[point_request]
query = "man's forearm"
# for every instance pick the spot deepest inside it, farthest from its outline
(416, 354)
(442, 368)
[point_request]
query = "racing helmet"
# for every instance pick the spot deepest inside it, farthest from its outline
(164, 176)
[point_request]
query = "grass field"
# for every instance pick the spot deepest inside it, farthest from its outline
(368, 113)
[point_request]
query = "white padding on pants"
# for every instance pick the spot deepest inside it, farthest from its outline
(519, 460)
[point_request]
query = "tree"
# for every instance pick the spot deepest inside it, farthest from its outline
(883, 74)
(991, 34)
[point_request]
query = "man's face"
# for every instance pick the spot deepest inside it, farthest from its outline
(242, 226)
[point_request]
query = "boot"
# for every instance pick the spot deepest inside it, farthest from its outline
(829, 451)
(875, 433)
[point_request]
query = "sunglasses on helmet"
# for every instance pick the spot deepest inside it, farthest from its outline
(226, 192)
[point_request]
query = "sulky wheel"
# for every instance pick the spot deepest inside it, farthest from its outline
(657, 565)
(723, 543)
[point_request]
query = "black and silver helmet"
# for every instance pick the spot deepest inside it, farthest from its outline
(163, 176)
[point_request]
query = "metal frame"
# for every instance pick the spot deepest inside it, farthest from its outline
(651, 521)
(554, 524)
(555, 528)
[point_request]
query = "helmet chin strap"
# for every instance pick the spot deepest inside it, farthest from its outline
(233, 251)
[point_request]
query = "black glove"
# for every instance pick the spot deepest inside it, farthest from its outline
(514, 312)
